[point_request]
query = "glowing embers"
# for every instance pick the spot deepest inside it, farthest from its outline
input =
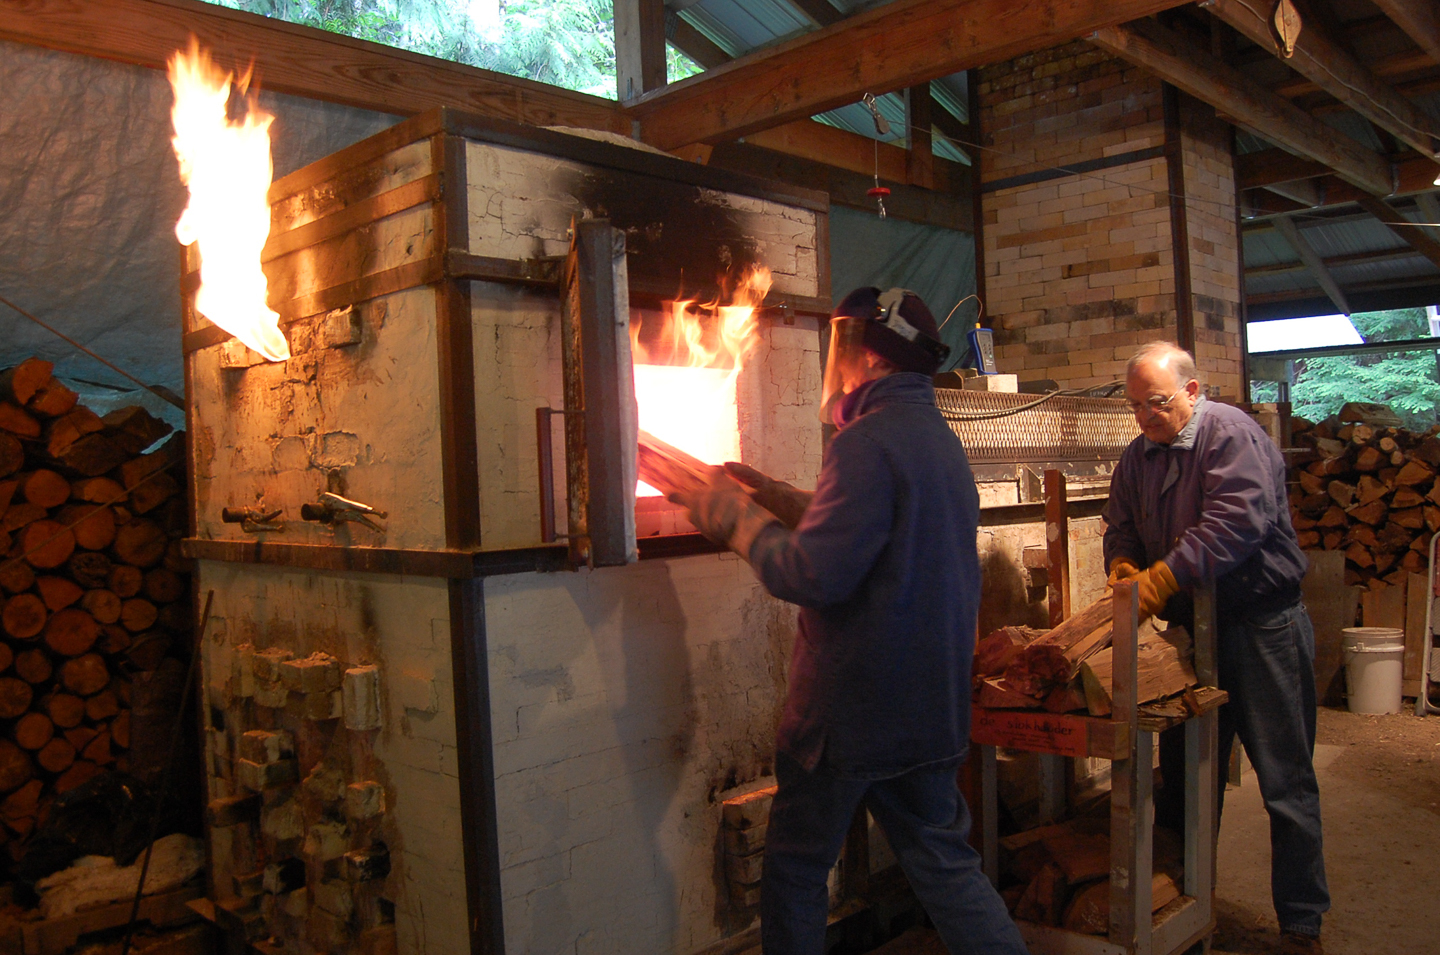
(686, 368)
(225, 162)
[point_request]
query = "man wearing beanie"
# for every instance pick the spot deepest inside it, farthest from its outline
(882, 562)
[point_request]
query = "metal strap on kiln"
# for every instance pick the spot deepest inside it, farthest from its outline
(1062, 429)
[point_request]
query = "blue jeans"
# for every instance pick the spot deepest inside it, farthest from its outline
(926, 821)
(1265, 660)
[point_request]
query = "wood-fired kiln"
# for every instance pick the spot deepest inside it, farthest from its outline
(421, 732)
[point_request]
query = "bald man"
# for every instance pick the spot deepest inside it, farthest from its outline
(1201, 494)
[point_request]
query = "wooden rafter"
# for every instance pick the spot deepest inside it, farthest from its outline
(883, 49)
(1262, 169)
(1420, 19)
(694, 44)
(1313, 263)
(1336, 261)
(1151, 46)
(295, 59)
(818, 142)
(1330, 66)
(919, 110)
(1402, 227)
(819, 11)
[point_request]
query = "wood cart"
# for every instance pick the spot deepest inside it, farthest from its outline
(1127, 738)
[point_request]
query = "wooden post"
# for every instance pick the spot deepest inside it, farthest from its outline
(1057, 542)
(639, 46)
(1202, 813)
(989, 817)
(1131, 782)
(920, 159)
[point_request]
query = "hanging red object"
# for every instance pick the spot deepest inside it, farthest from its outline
(878, 191)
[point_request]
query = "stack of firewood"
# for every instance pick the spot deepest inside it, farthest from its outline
(1369, 491)
(93, 589)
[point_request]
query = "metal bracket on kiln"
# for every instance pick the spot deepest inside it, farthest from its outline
(333, 509)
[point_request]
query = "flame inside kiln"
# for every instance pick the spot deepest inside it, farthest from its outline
(226, 164)
(686, 371)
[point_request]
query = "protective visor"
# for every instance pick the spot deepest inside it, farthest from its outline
(845, 364)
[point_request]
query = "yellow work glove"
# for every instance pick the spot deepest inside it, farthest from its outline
(785, 501)
(1121, 568)
(723, 512)
(1156, 585)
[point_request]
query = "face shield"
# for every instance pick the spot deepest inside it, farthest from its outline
(845, 364)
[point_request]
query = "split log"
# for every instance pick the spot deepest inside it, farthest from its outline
(22, 514)
(47, 544)
(1373, 513)
(1066, 697)
(1333, 517)
(1331, 539)
(113, 638)
(163, 586)
(1413, 563)
(98, 490)
(1081, 856)
(89, 569)
(66, 430)
(80, 736)
(65, 710)
(71, 632)
(140, 543)
(77, 775)
(1360, 555)
(20, 383)
(667, 468)
(85, 675)
(58, 592)
(24, 616)
(103, 605)
(1370, 459)
(1330, 447)
(1308, 539)
(150, 494)
(1428, 451)
(18, 421)
(97, 750)
(1089, 909)
(120, 730)
(1362, 434)
(994, 694)
(12, 456)
(1406, 497)
(1415, 472)
(1412, 518)
(1311, 483)
(137, 469)
(34, 667)
(15, 697)
(15, 767)
(56, 755)
(1341, 493)
(134, 428)
(138, 614)
(33, 731)
(7, 656)
(52, 400)
(1362, 534)
(1432, 520)
(1164, 663)
(1044, 899)
(93, 455)
(16, 576)
(995, 651)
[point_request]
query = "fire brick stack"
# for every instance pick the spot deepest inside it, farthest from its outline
(95, 593)
(299, 818)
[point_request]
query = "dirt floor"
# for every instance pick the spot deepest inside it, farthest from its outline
(1380, 802)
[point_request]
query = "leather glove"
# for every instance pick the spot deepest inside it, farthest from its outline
(1156, 585)
(1121, 568)
(723, 512)
(785, 501)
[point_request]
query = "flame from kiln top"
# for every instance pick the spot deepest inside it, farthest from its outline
(685, 377)
(226, 165)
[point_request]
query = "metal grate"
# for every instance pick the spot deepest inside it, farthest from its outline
(1061, 429)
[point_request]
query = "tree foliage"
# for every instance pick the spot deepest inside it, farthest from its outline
(568, 43)
(1409, 382)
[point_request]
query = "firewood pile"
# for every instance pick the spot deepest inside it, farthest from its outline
(1069, 668)
(1369, 491)
(93, 589)
(1059, 875)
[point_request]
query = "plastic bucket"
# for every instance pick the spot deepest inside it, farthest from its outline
(1374, 664)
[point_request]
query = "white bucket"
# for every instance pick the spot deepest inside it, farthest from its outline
(1374, 664)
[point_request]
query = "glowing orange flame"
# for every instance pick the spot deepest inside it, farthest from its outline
(226, 164)
(685, 376)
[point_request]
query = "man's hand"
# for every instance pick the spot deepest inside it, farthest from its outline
(1156, 585)
(1121, 568)
(723, 512)
(785, 501)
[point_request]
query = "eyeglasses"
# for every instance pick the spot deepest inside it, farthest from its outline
(1153, 405)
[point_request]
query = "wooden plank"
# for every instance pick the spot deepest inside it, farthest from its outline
(1332, 607)
(887, 48)
(1261, 169)
(1383, 608)
(55, 936)
(639, 46)
(920, 159)
(1331, 67)
(1417, 597)
(298, 60)
(1062, 734)
(1174, 59)
(818, 142)
(1131, 781)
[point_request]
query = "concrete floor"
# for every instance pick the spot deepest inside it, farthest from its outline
(1380, 802)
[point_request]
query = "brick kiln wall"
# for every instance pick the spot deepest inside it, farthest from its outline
(1080, 270)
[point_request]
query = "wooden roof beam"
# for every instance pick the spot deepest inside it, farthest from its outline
(1316, 266)
(887, 48)
(298, 60)
(1416, 235)
(1151, 46)
(639, 46)
(1330, 66)
(1270, 166)
(1420, 19)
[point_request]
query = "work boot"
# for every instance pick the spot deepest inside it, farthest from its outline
(1298, 943)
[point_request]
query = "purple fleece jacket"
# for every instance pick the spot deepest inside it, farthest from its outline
(885, 571)
(1210, 503)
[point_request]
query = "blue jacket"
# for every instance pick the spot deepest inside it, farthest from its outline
(884, 568)
(1211, 503)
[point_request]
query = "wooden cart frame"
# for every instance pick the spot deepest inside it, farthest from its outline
(1127, 738)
